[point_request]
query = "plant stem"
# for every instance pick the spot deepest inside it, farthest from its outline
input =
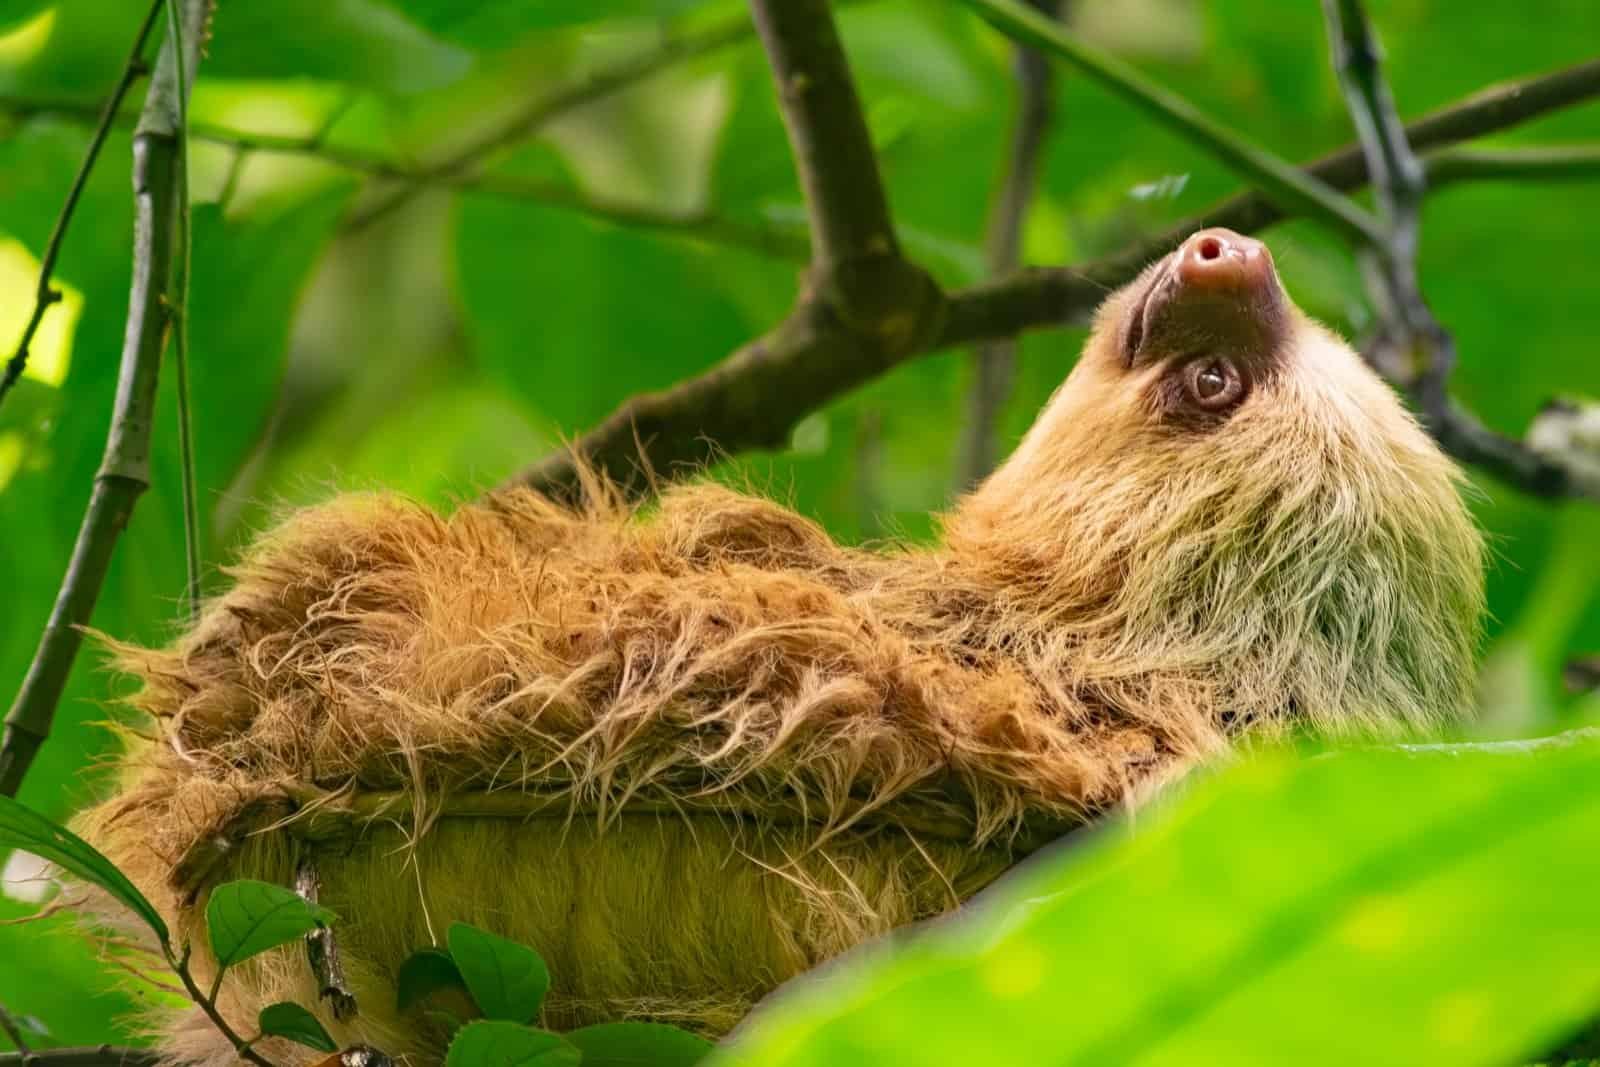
(125, 468)
(45, 294)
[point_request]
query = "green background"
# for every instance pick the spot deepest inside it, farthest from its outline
(443, 346)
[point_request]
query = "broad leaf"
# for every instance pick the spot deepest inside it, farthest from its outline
(21, 827)
(1430, 904)
(507, 980)
(502, 1044)
(426, 971)
(634, 1044)
(247, 917)
(290, 1020)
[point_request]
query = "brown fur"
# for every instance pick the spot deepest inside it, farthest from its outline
(737, 748)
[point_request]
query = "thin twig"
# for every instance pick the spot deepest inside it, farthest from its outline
(1545, 163)
(767, 239)
(178, 310)
(83, 1056)
(13, 1031)
(994, 363)
(545, 109)
(125, 469)
(208, 1005)
(46, 294)
(1292, 188)
(1411, 347)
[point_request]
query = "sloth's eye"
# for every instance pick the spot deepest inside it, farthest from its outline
(1213, 384)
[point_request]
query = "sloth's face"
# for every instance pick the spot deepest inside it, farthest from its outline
(1203, 363)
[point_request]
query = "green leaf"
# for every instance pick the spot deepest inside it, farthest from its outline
(507, 980)
(1439, 898)
(503, 23)
(634, 1044)
(501, 1044)
(359, 42)
(290, 1020)
(247, 917)
(21, 827)
(427, 971)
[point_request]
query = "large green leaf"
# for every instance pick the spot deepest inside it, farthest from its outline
(247, 917)
(507, 980)
(1421, 905)
(505, 1044)
(23, 828)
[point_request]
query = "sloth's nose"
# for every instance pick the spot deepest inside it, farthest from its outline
(1218, 260)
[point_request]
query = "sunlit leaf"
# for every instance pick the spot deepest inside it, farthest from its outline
(21, 827)
(248, 917)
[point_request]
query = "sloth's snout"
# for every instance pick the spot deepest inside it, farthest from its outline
(1220, 261)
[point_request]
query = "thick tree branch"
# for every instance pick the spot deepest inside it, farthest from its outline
(547, 108)
(863, 308)
(753, 398)
(1282, 182)
(47, 295)
(125, 469)
(994, 363)
(832, 149)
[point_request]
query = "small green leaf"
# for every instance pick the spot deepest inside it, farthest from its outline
(290, 1020)
(501, 1044)
(21, 827)
(427, 971)
(248, 917)
(507, 980)
(634, 1044)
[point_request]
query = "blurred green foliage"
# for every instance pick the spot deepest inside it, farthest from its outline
(1415, 906)
(441, 346)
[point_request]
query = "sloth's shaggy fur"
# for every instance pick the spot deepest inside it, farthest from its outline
(739, 748)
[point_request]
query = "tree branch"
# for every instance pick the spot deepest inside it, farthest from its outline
(46, 295)
(864, 306)
(545, 109)
(832, 149)
(1411, 347)
(994, 363)
(754, 397)
(125, 469)
(84, 1056)
(1282, 182)
(1543, 164)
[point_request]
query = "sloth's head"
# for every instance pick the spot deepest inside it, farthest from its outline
(1223, 506)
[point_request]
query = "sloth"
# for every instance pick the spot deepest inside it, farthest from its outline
(690, 749)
